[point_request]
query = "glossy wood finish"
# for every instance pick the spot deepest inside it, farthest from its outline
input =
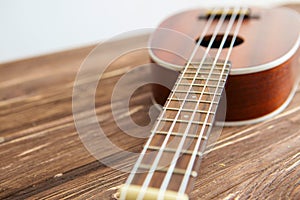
(255, 95)
(249, 95)
(266, 39)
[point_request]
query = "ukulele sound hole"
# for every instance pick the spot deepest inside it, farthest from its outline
(218, 40)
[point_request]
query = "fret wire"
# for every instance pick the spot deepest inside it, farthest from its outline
(221, 84)
(186, 121)
(204, 73)
(196, 92)
(197, 84)
(201, 73)
(226, 69)
(190, 110)
(211, 113)
(204, 79)
(181, 134)
(192, 100)
(165, 169)
(209, 64)
(191, 67)
(173, 150)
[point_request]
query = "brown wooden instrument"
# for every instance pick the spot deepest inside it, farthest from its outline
(251, 55)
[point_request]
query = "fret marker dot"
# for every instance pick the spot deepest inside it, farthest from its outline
(185, 116)
(194, 97)
(194, 174)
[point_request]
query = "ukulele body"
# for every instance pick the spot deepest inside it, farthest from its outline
(265, 60)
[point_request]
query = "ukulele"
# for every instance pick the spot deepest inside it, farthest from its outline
(237, 61)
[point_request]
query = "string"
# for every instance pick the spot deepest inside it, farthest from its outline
(192, 159)
(180, 147)
(138, 162)
(161, 150)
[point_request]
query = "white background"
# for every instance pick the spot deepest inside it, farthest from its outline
(34, 27)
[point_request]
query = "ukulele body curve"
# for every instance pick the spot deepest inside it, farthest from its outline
(264, 74)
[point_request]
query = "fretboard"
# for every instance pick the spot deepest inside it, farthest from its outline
(172, 156)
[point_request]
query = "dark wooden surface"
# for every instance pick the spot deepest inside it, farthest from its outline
(42, 157)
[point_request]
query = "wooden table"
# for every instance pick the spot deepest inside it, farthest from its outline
(42, 156)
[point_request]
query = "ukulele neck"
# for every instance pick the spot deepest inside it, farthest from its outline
(171, 158)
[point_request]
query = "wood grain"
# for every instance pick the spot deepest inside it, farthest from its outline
(250, 95)
(42, 157)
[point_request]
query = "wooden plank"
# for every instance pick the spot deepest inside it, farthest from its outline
(42, 157)
(38, 137)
